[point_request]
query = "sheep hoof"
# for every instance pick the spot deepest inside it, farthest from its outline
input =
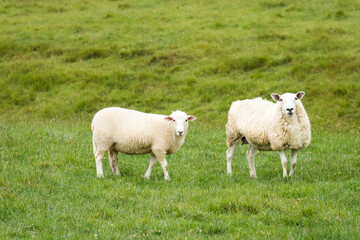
(147, 177)
(229, 173)
(253, 176)
(100, 175)
(167, 178)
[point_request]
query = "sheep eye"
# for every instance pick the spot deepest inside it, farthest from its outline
(185, 120)
(173, 120)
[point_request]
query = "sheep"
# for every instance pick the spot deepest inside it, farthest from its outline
(131, 132)
(268, 126)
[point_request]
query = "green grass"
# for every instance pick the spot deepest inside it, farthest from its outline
(49, 188)
(61, 61)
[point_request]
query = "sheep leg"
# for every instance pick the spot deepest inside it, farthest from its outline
(151, 165)
(283, 162)
(99, 155)
(94, 146)
(160, 155)
(113, 161)
(251, 157)
(229, 156)
(293, 161)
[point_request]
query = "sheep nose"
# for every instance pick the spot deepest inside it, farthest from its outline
(180, 132)
(289, 109)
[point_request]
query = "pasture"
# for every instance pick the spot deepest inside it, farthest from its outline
(62, 61)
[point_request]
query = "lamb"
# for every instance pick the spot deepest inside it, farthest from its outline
(268, 126)
(131, 132)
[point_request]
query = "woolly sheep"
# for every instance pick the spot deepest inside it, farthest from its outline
(268, 126)
(131, 132)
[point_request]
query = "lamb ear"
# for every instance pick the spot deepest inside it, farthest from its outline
(300, 95)
(168, 118)
(276, 97)
(191, 118)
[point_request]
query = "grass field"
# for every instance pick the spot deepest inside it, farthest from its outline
(61, 61)
(49, 190)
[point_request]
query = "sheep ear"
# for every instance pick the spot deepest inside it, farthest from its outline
(168, 118)
(300, 95)
(276, 97)
(191, 118)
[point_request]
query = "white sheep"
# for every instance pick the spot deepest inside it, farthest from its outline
(132, 132)
(268, 126)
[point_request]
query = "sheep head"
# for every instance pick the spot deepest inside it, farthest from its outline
(180, 122)
(288, 102)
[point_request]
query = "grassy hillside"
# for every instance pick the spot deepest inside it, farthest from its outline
(63, 59)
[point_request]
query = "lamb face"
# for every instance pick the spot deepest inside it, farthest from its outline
(180, 122)
(288, 102)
